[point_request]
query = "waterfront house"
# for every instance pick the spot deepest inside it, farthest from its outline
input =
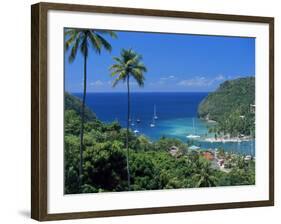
(208, 155)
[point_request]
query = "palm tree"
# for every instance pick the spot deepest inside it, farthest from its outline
(204, 177)
(128, 65)
(83, 39)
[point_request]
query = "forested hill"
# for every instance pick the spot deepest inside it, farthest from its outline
(232, 95)
(74, 103)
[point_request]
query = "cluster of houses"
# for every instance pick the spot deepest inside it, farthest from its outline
(223, 161)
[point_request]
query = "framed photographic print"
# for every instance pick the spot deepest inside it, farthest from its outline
(139, 111)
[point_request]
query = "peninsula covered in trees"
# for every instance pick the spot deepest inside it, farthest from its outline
(232, 106)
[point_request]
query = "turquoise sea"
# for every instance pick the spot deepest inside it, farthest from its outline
(176, 112)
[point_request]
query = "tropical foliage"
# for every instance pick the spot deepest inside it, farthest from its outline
(151, 164)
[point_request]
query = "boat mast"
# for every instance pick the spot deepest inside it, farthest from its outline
(193, 126)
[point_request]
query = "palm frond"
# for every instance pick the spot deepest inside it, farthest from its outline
(95, 42)
(104, 43)
(122, 76)
(116, 67)
(115, 82)
(74, 49)
(134, 59)
(119, 60)
(112, 34)
(138, 76)
(70, 41)
(116, 72)
(69, 31)
(141, 67)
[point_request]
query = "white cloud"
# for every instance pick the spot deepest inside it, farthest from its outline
(201, 81)
(97, 83)
(197, 81)
(167, 77)
(163, 80)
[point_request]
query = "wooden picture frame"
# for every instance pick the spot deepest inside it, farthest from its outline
(39, 108)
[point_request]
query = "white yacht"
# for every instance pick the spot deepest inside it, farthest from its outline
(155, 115)
(132, 123)
(193, 135)
(152, 124)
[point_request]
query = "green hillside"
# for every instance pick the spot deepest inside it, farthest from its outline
(228, 104)
(230, 95)
(74, 103)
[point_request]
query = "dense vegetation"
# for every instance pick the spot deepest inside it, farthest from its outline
(230, 106)
(151, 164)
(74, 103)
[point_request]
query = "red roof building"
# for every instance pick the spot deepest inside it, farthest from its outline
(208, 155)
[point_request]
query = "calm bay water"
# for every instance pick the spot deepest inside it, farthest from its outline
(176, 112)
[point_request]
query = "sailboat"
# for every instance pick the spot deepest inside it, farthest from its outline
(193, 135)
(138, 120)
(155, 116)
(194, 147)
(152, 124)
(132, 123)
(136, 131)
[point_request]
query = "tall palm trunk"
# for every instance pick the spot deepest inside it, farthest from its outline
(82, 121)
(127, 133)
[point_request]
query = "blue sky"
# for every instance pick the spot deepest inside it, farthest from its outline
(175, 62)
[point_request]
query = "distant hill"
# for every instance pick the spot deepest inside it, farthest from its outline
(231, 95)
(74, 103)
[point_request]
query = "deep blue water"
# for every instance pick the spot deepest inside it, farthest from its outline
(176, 113)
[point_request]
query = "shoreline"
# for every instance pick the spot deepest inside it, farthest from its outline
(225, 140)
